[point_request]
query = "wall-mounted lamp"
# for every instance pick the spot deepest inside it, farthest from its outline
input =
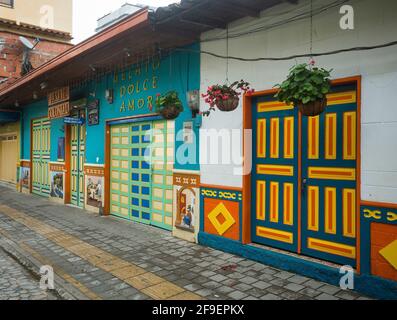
(127, 52)
(16, 104)
(43, 85)
(92, 68)
(35, 96)
(109, 95)
(193, 100)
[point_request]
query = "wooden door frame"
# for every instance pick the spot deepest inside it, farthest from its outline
(68, 158)
(247, 152)
(68, 164)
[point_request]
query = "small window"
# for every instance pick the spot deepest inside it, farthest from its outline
(7, 3)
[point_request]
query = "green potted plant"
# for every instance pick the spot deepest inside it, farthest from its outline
(226, 97)
(169, 105)
(306, 87)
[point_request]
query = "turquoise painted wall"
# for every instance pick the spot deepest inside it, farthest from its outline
(34, 110)
(38, 110)
(132, 89)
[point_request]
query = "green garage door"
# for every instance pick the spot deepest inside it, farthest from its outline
(142, 156)
(41, 142)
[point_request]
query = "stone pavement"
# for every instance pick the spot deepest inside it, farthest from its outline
(106, 258)
(16, 283)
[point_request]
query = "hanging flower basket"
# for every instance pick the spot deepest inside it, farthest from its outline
(226, 97)
(306, 87)
(228, 105)
(170, 112)
(314, 108)
(169, 105)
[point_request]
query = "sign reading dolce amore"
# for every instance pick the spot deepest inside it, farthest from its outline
(58, 104)
(137, 85)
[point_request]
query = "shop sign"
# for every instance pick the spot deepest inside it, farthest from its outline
(138, 85)
(59, 111)
(58, 96)
(72, 120)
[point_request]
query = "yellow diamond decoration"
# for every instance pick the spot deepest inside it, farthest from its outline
(390, 254)
(221, 228)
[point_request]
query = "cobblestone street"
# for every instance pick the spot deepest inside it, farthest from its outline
(105, 258)
(16, 283)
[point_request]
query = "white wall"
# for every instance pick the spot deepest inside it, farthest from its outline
(375, 23)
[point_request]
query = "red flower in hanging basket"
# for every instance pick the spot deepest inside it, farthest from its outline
(225, 97)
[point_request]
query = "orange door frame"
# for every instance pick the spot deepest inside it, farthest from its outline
(107, 170)
(68, 165)
(247, 125)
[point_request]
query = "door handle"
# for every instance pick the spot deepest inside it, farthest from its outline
(304, 186)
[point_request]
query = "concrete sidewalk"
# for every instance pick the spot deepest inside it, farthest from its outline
(106, 258)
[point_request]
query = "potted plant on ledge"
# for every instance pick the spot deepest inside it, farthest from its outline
(169, 105)
(226, 97)
(306, 87)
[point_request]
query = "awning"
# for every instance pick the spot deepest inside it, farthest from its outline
(128, 42)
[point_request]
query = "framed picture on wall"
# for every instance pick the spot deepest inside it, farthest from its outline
(61, 149)
(93, 113)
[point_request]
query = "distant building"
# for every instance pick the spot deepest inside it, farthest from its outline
(50, 21)
(45, 24)
(124, 11)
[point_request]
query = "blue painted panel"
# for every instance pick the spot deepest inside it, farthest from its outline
(338, 237)
(281, 160)
(145, 191)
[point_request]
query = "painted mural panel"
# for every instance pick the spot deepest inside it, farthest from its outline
(95, 186)
(94, 191)
(187, 205)
(57, 185)
(222, 212)
(24, 179)
(379, 240)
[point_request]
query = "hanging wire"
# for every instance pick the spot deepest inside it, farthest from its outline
(311, 61)
(170, 74)
(227, 55)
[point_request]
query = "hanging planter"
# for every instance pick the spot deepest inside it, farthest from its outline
(169, 105)
(306, 87)
(226, 97)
